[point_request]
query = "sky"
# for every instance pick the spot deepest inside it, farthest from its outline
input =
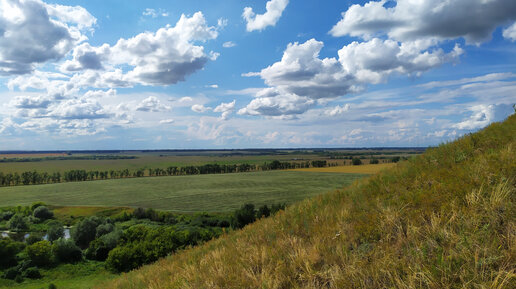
(118, 74)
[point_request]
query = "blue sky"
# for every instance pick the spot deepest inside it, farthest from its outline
(252, 74)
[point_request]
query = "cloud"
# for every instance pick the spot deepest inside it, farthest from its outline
(77, 109)
(289, 104)
(274, 9)
(33, 32)
(152, 104)
(302, 77)
(166, 121)
(28, 102)
(225, 108)
(228, 44)
(161, 58)
(199, 108)
(154, 13)
(474, 20)
(510, 32)
(213, 86)
(483, 114)
(337, 110)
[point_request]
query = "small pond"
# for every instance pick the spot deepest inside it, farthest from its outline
(22, 236)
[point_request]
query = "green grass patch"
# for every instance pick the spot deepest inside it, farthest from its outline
(83, 275)
(198, 193)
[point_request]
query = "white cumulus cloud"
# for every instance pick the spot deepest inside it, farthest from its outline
(274, 9)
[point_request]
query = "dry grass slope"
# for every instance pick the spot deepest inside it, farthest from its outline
(446, 219)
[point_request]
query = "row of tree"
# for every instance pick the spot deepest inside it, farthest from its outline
(36, 178)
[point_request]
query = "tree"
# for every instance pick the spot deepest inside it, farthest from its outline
(85, 231)
(374, 161)
(66, 251)
(264, 211)
(55, 231)
(18, 223)
(244, 216)
(395, 159)
(8, 251)
(43, 213)
(356, 161)
(40, 253)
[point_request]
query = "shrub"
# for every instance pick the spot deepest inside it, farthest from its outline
(6, 215)
(264, 211)
(374, 161)
(32, 273)
(395, 159)
(43, 213)
(18, 223)
(244, 216)
(104, 229)
(52, 286)
(139, 213)
(35, 205)
(85, 231)
(33, 238)
(40, 253)
(11, 273)
(66, 251)
(99, 248)
(8, 251)
(356, 161)
(55, 231)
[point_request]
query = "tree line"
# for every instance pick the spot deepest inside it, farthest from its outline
(37, 178)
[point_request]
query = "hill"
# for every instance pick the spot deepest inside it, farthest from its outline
(445, 219)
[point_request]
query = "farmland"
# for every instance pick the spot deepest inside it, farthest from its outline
(163, 159)
(210, 193)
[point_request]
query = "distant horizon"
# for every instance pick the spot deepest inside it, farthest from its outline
(98, 74)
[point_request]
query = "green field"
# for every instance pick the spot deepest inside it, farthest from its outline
(208, 193)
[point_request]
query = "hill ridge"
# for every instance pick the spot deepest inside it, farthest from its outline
(445, 219)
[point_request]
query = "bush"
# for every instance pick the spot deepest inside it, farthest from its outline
(374, 161)
(6, 215)
(85, 231)
(244, 216)
(35, 205)
(395, 159)
(18, 223)
(55, 231)
(356, 161)
(33, 238)
(139, 213)
(66, 251)
(99, 248)
(43, 213)
(52, 286)
(32, 273)
(264, 211)
(104, 229)
(8, 251)
(10, 273)
(40, 253)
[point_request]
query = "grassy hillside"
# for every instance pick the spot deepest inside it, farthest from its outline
(446, 219)
(208, 193)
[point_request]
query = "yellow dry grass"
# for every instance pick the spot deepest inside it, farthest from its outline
(362, 169)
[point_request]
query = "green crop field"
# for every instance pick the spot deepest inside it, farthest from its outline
(208, 193)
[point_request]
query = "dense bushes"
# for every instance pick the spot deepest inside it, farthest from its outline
(8, 251)
(66, 251)
(142, 245)
(40, 253)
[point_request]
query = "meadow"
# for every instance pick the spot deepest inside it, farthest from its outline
(196, 193)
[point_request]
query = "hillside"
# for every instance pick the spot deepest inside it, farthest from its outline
(446, 219)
